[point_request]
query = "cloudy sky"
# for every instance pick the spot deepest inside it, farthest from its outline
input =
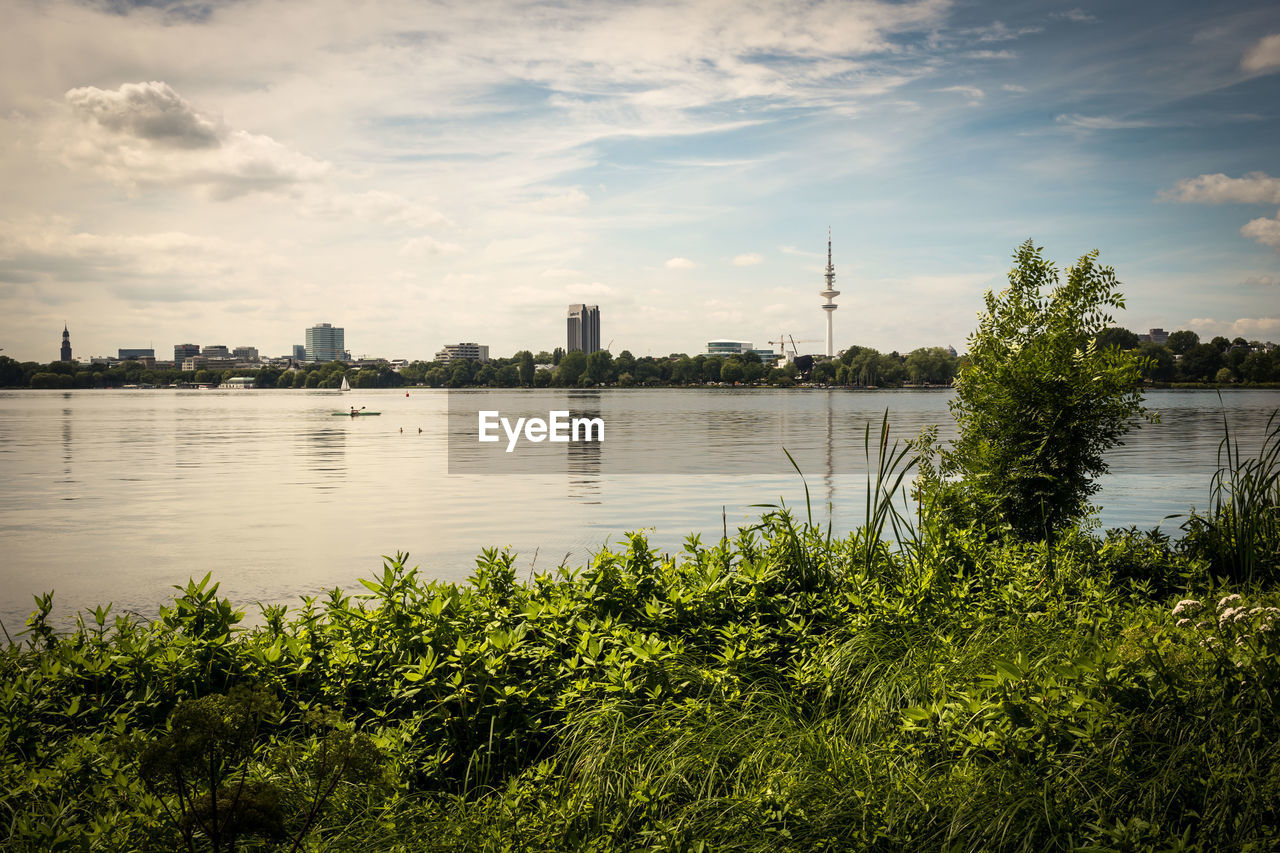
(430, 172)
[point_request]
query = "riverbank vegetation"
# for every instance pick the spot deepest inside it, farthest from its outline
(973, 668)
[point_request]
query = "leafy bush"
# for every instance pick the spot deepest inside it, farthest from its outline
(1037, 403)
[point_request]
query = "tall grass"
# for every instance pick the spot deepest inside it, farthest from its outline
(1240, 533)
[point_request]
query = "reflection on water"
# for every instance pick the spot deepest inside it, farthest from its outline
(115, 496)
(324, 451)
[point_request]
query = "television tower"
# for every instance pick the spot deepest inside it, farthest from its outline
(829, 294)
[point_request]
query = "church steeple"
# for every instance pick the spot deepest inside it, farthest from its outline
(66, 343)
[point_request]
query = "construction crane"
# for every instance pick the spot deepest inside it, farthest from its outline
(783, 343)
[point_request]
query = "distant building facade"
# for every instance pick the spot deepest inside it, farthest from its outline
(1155, 336)
(135, 354)
(727, 348)
(215, 351)
(469, 352)
(66, 344)
(325, 342)
(182, 352)
(299, 352)
(245, 353)
(584, 328)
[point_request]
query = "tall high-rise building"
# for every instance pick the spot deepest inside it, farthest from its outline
(182, 352)
(66, 344)
(584, 328)
(325, 342)
(829, 294)
(299, 352)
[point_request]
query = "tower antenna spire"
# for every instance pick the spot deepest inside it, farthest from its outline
(829, 294)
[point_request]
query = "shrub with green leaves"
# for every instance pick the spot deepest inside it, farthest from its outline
(1037, 403)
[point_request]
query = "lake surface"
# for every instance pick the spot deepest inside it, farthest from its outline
(115, 496)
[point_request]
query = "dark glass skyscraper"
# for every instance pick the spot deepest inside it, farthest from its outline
(584, 328)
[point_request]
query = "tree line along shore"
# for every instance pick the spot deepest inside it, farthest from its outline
(1181, 362)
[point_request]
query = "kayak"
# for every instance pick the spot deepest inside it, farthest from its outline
(353, 414)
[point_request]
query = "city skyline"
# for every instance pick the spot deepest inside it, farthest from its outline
(172, 172)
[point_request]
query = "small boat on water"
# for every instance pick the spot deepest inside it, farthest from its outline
(346, 386)
(353, 414)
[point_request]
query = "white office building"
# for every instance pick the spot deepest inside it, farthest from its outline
(467, 351)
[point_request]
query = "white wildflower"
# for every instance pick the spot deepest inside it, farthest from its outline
(1187, 606)
(1182, 623)
(1227, 600)
(1227, 615)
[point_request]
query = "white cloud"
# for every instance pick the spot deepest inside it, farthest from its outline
(145, 134)
(162, 266)
(1082, 122)
(1262, 280)
(373, 206)
(973, 93)
(749, 259)
(1077, 15)
(425, 245)
(1263, 230)
(150, 111)
(1253, 188)
(1013, 87)
(1263, 56)
(589, 289)
(562, 201)
(1249, 328)
(680, 264)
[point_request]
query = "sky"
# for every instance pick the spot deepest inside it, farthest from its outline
(423, 173)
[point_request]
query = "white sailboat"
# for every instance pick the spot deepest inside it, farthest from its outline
(345, 385)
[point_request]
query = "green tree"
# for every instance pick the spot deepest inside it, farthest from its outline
(1201, 363)
(933, 365)
(1158, 363)
(824, 372)
(600, 366)
(624, 363)
(731, 371)
(1038, 404)
(684, 370)
(526, 367)
(571, 368)
(1114, 336)
(1181, 341)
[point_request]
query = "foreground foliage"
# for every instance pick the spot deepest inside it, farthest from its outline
(781, 690)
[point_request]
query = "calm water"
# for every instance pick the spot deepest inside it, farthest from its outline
(118, 495)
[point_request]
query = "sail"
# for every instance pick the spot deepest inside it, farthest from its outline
(345, 386)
